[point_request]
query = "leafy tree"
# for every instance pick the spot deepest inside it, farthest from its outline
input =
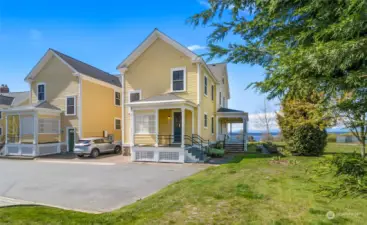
(303, 45)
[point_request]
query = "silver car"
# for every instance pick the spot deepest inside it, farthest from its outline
(95, 146)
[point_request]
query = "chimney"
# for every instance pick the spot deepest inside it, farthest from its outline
(4, 88)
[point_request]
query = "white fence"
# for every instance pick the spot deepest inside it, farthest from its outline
(158, 154)
(31, 149)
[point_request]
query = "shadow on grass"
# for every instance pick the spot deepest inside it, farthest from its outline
(232, 158)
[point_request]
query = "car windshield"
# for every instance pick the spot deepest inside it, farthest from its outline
(84, 141)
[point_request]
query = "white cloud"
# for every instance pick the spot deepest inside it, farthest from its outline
(35, 35)
(204, 3)
(254, 123)
(196, 47)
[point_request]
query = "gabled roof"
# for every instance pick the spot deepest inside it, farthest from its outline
(44, 105)
(149, 41)
(219, 70)
(76, 66)
(13, 98)
(227, 110)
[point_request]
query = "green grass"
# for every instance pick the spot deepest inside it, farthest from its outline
(249, 190)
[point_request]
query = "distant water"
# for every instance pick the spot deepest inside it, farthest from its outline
(257, 136)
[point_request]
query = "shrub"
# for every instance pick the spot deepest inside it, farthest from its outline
(216, 153)
(308, 140)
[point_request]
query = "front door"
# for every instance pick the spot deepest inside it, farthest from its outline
(177, 119)
(71, 139)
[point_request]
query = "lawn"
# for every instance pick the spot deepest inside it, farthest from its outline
(249, 190)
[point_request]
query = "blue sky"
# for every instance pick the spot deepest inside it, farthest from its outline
(103, 33)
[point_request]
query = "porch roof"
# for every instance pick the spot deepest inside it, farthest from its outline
(41, 106)
(168, 98)
(231, 113)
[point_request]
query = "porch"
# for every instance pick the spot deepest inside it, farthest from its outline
(32, 130)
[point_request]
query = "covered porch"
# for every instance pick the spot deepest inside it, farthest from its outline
(161, 128)
(232, 129)
(32, 130)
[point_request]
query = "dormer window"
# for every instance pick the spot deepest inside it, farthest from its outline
(41, 92)
(178, 77)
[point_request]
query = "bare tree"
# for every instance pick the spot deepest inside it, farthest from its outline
(265, 120)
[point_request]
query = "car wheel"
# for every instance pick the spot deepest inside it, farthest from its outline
(94, 153)
(117, 150)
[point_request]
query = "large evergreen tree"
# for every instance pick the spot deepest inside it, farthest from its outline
(303, 45)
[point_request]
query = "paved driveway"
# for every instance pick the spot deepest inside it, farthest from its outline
(95, 187)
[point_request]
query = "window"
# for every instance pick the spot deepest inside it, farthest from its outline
(98, 141)
(224, 101)
(220, 98)
(206, 85)
(70, 106)
(1, 131)
(145, 124)
(212, 125)
(117, 124)
(48, 126)
(134, 96)
(1, 115)
(41, 92)
(178, 79)
(212, 92)
(205, 120)
(117, 98)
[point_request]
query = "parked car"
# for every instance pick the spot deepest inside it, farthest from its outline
(95, 146)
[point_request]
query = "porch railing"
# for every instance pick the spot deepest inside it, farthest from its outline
(193, 140)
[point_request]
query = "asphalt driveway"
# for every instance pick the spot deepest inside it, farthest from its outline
(88, 187)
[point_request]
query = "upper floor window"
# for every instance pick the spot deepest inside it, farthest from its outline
(206, 85)
(41, 92)
(205, 120)
(212, 125)
(70, 106)
(178, 77)
(134, 96)
(212, 92)
(117, 98)
(220, 98)
(117, 124)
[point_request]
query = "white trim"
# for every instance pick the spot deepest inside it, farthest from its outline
(67, 137)
(184, 78)
(207, 84)
(183, 117)
(123, 106)
(66, 105)
(133, 92)
(114, 98)
(205, 114)
(96, 81)
(44, 90)
(80, 108)
(156, 127)
(114, 123)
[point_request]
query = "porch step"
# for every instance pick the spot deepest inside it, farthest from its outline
(234, 147)
(194, 154)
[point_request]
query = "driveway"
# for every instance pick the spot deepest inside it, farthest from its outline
(94, 187)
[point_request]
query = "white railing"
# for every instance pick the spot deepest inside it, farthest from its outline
(31, 149)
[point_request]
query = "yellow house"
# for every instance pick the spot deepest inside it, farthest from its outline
(175, 103)
(69, 100)
(167, 104)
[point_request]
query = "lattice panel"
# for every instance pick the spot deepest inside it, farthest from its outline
(144, 155)
(169, 156)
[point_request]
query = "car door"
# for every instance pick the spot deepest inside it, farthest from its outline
(101, 145)
(109, 144)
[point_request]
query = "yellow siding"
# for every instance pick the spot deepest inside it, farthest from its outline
(145, 139)
(60, 82)
(99, 110)
(3, 126)
(165, 122)
(207, 106)
(151, 73)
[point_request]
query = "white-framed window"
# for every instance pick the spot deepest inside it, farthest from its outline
(220, 98)
(117, 124)
(70, 106)
(178, 79)
(134, 95)
(212, 124)
(212, 92)
(1, 130)
(206, 85)
(41, 92)
(145, 124)
(117, 98)
(48, 126)
(205, 120)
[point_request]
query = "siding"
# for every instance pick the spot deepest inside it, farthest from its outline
(60, 82)
(99, 110)
(145, 139)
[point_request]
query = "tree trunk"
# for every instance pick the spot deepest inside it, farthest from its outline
(363, 150)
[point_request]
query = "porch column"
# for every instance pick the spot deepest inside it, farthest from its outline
(132, 132)
(20, 129)
(6, 129)
(244, 133)
(230, 129)
(35, 128)
(156, 127)
(182, 127)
